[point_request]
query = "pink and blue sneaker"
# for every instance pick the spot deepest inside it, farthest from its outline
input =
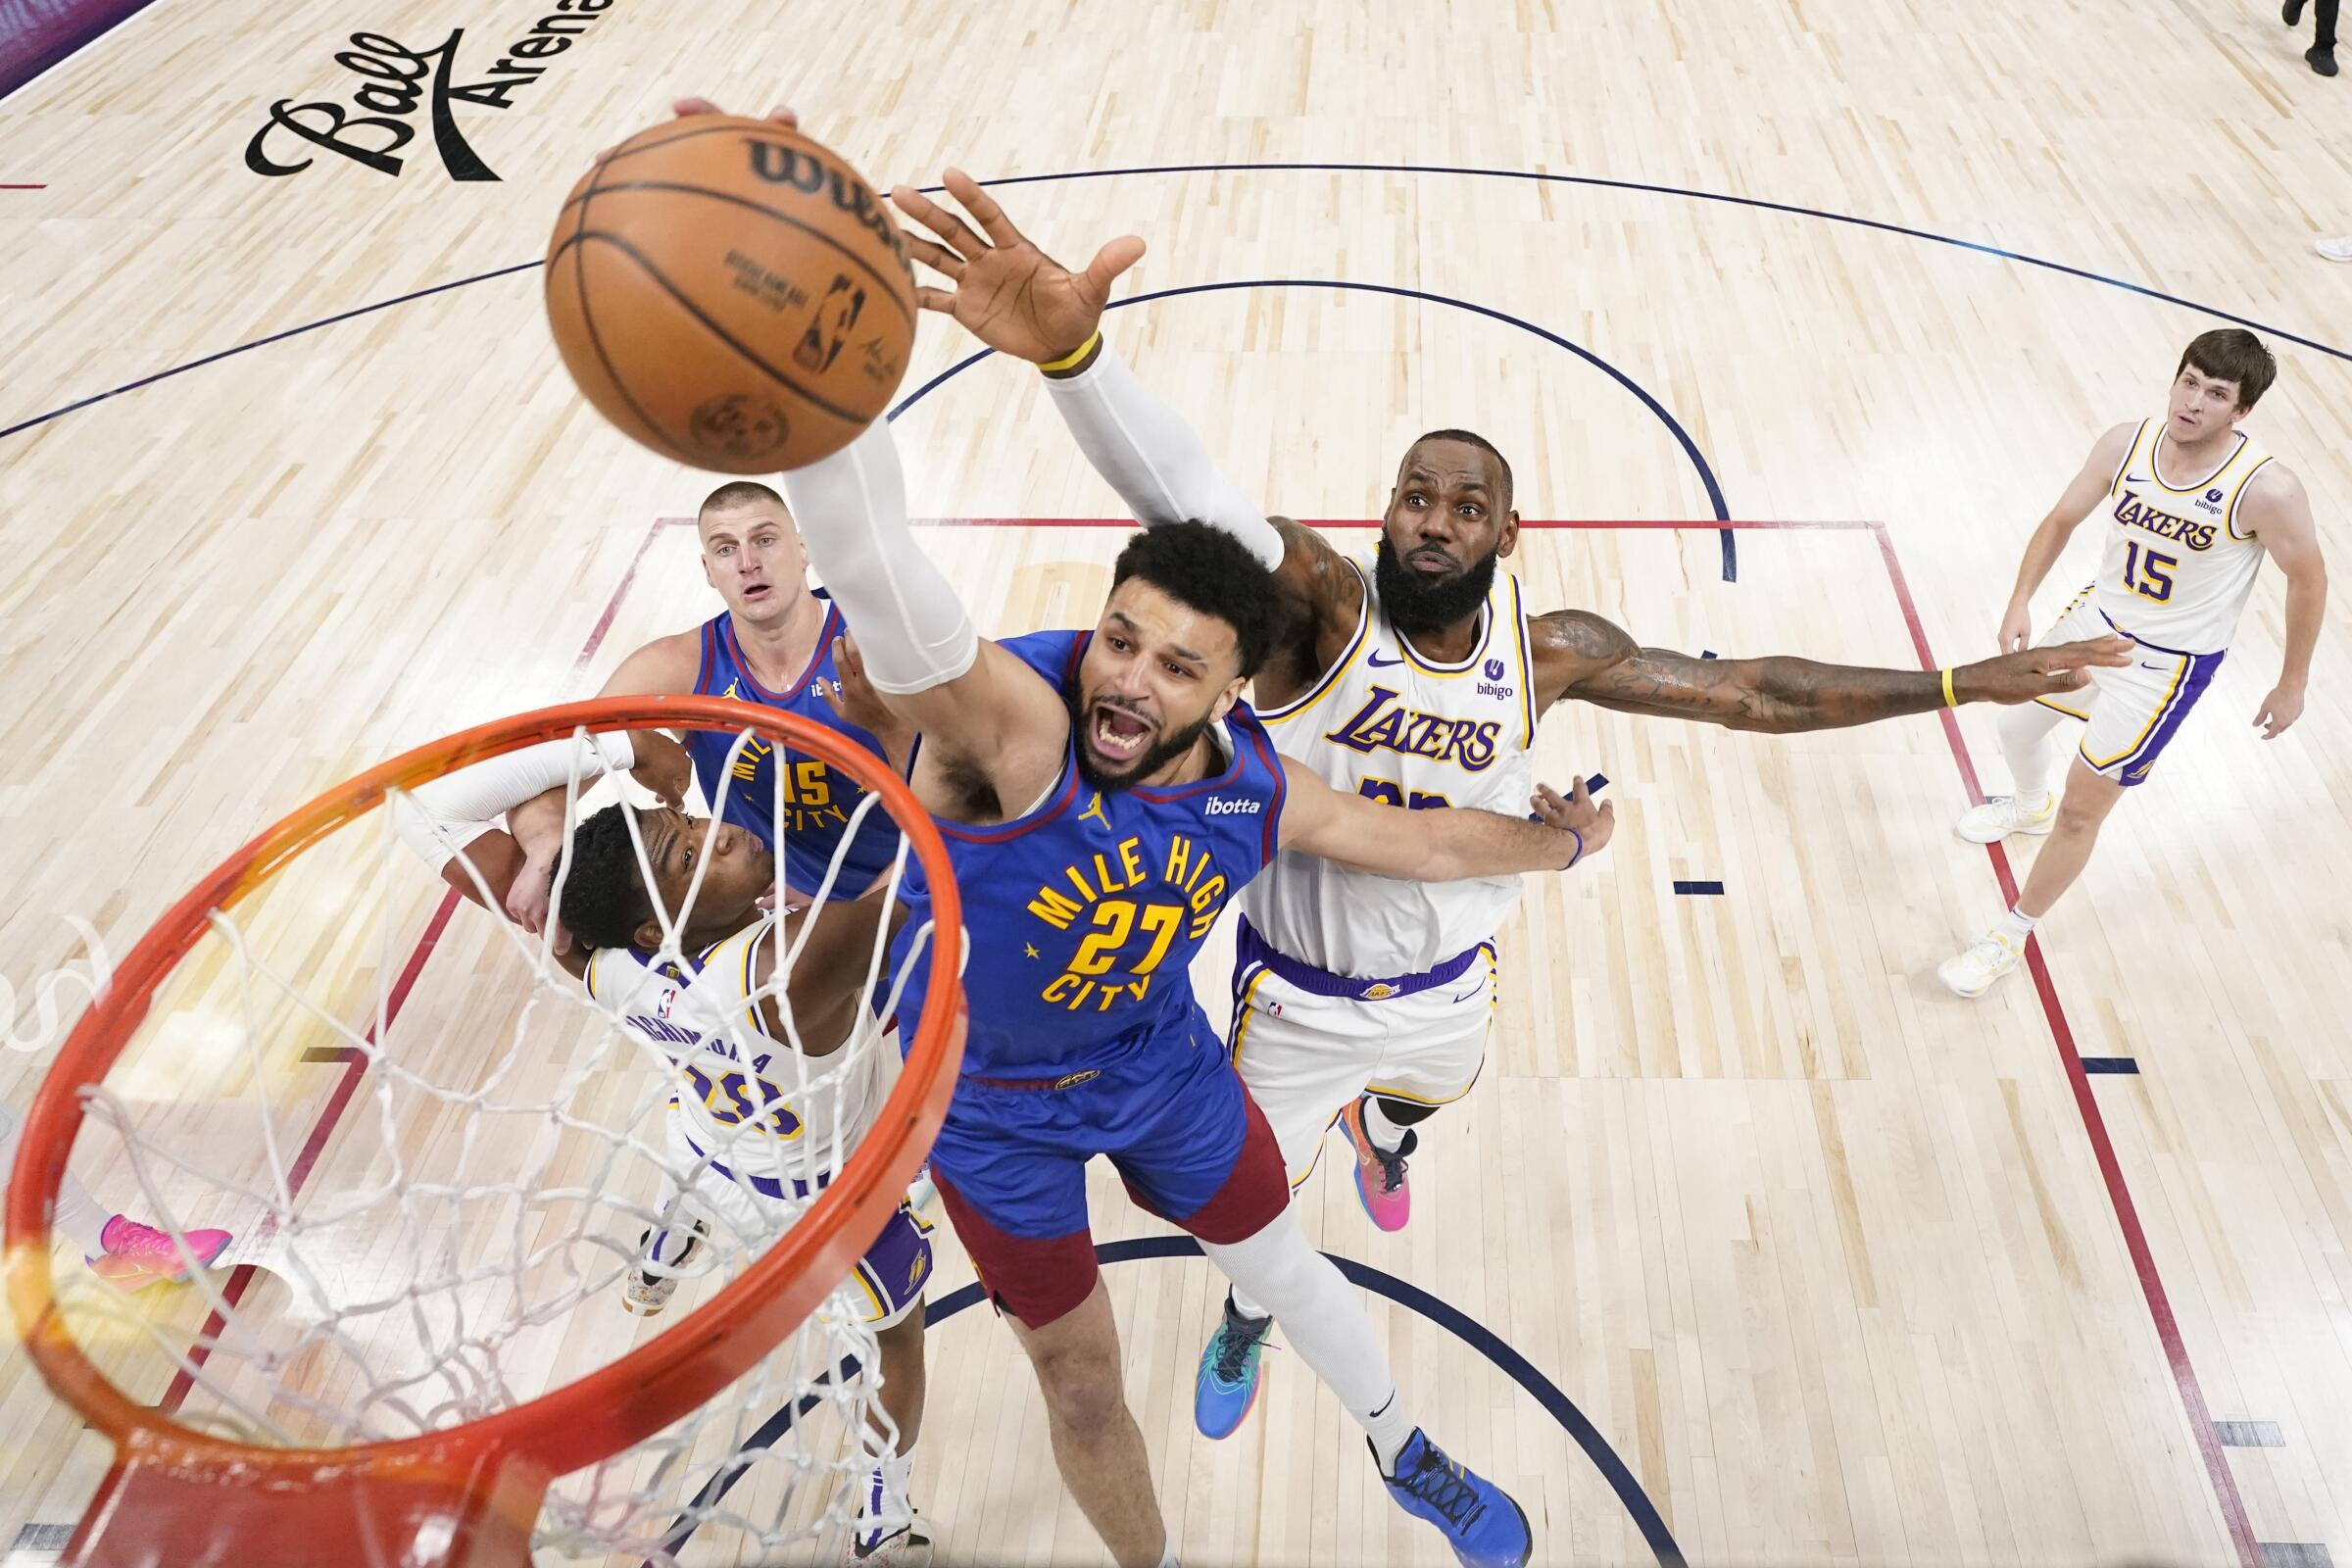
(133, 1256)
(1227, 1385)
(1378, 1172)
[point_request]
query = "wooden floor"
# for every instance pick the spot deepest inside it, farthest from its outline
(1836, 1268)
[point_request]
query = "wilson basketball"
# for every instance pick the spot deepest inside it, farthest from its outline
(731, 294)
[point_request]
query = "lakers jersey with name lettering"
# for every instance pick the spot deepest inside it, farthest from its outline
(753, 1103)
(801, 809)
(1391, 726)
(2177, 567)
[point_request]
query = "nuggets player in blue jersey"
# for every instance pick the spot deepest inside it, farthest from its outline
(776, 643)
(1415, 680)
(1103, 795)
(2189, 505)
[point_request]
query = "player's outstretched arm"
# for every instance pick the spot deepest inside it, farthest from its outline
(1582, 656)
(2276, 511)
(2096, 477)
(1013, 297)
(1444, 844)
(978, 707)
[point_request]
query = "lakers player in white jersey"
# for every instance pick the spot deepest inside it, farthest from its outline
(2188, 506)
(758, 1132)
(1416, 679)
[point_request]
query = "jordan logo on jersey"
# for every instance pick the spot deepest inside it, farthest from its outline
(1383, 724)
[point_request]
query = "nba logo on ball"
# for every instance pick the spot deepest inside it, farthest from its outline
(731, 295)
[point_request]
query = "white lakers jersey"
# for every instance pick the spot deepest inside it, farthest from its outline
(754, 1104)
(1391, 726)
(2176, 568)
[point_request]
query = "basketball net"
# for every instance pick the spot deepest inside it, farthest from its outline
(447, 1233)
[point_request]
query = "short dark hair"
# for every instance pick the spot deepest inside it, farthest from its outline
(2231, 354)
(1471, 438)
(1209, 571)
(739, 493)
(604, 900)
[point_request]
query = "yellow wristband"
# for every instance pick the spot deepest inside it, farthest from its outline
(1084, 349)
(1950, 700)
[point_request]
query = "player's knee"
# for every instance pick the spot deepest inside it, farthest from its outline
(2024, 724)
(2082, 810)
(1083, 1392)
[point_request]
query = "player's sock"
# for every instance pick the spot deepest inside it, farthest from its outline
(887, 1499)
(2026, 743)
(1386, 1120)
(1325, 1324)
(1167, 1559)
(80, 1218)
(2016, 926)
(1242, 1304)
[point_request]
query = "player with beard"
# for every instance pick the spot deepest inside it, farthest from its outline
(1103, 794)
(1359, 997)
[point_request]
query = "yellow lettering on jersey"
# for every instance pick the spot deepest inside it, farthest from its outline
(1055, 909)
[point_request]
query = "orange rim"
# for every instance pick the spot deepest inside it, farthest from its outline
(606, 1410)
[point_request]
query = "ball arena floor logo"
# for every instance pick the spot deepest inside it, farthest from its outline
(399, 81)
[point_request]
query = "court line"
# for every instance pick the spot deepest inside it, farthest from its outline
(1444, 1314)
(355, 1063)
(1378, 169)
(1673, 426)
(2202, 1429)
(23, 188)
(1692, 193)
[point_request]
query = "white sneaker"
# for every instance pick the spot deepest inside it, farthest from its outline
(2336, 249)
(1999, 817)
(906, 1546)
(1973, 972)
(651, 1285)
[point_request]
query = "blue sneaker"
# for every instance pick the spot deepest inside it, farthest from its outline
(1227, 1387)
(1485, 1527)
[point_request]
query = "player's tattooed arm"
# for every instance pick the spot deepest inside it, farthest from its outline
(1582, 656)
(1322, 598)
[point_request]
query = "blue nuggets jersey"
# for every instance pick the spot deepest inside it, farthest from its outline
(1084, 914)
(817, 802)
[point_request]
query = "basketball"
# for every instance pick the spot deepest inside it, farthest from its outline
(731, 294)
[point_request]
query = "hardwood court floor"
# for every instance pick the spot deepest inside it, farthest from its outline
(1838, 1267)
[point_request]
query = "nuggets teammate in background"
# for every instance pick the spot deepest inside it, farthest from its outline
(773, 644)
(1415, 681)
(2188, 505)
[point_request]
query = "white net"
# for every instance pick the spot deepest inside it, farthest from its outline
(457, 1180)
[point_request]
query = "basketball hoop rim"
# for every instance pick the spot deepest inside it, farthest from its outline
(658, 1382)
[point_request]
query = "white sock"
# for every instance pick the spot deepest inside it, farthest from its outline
(2025, 732)
(1167, 1559)
(889, 1489)
(1384, 1133)
(2014, 926)
(1325, 1323)
(1242, 1304)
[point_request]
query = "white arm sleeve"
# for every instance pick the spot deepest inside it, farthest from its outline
(441, 816)
(912, 629)
(1153, 458)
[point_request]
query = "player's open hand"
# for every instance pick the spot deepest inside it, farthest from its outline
(2017, 629)
(1576, 814)
(2280, 708)
(2039, 671)
(662, 767)
(1009, 294)
(854, 701)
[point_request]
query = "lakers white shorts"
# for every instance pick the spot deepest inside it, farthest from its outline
(887, 1281)
(2133, 712)
(1306, 1047)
